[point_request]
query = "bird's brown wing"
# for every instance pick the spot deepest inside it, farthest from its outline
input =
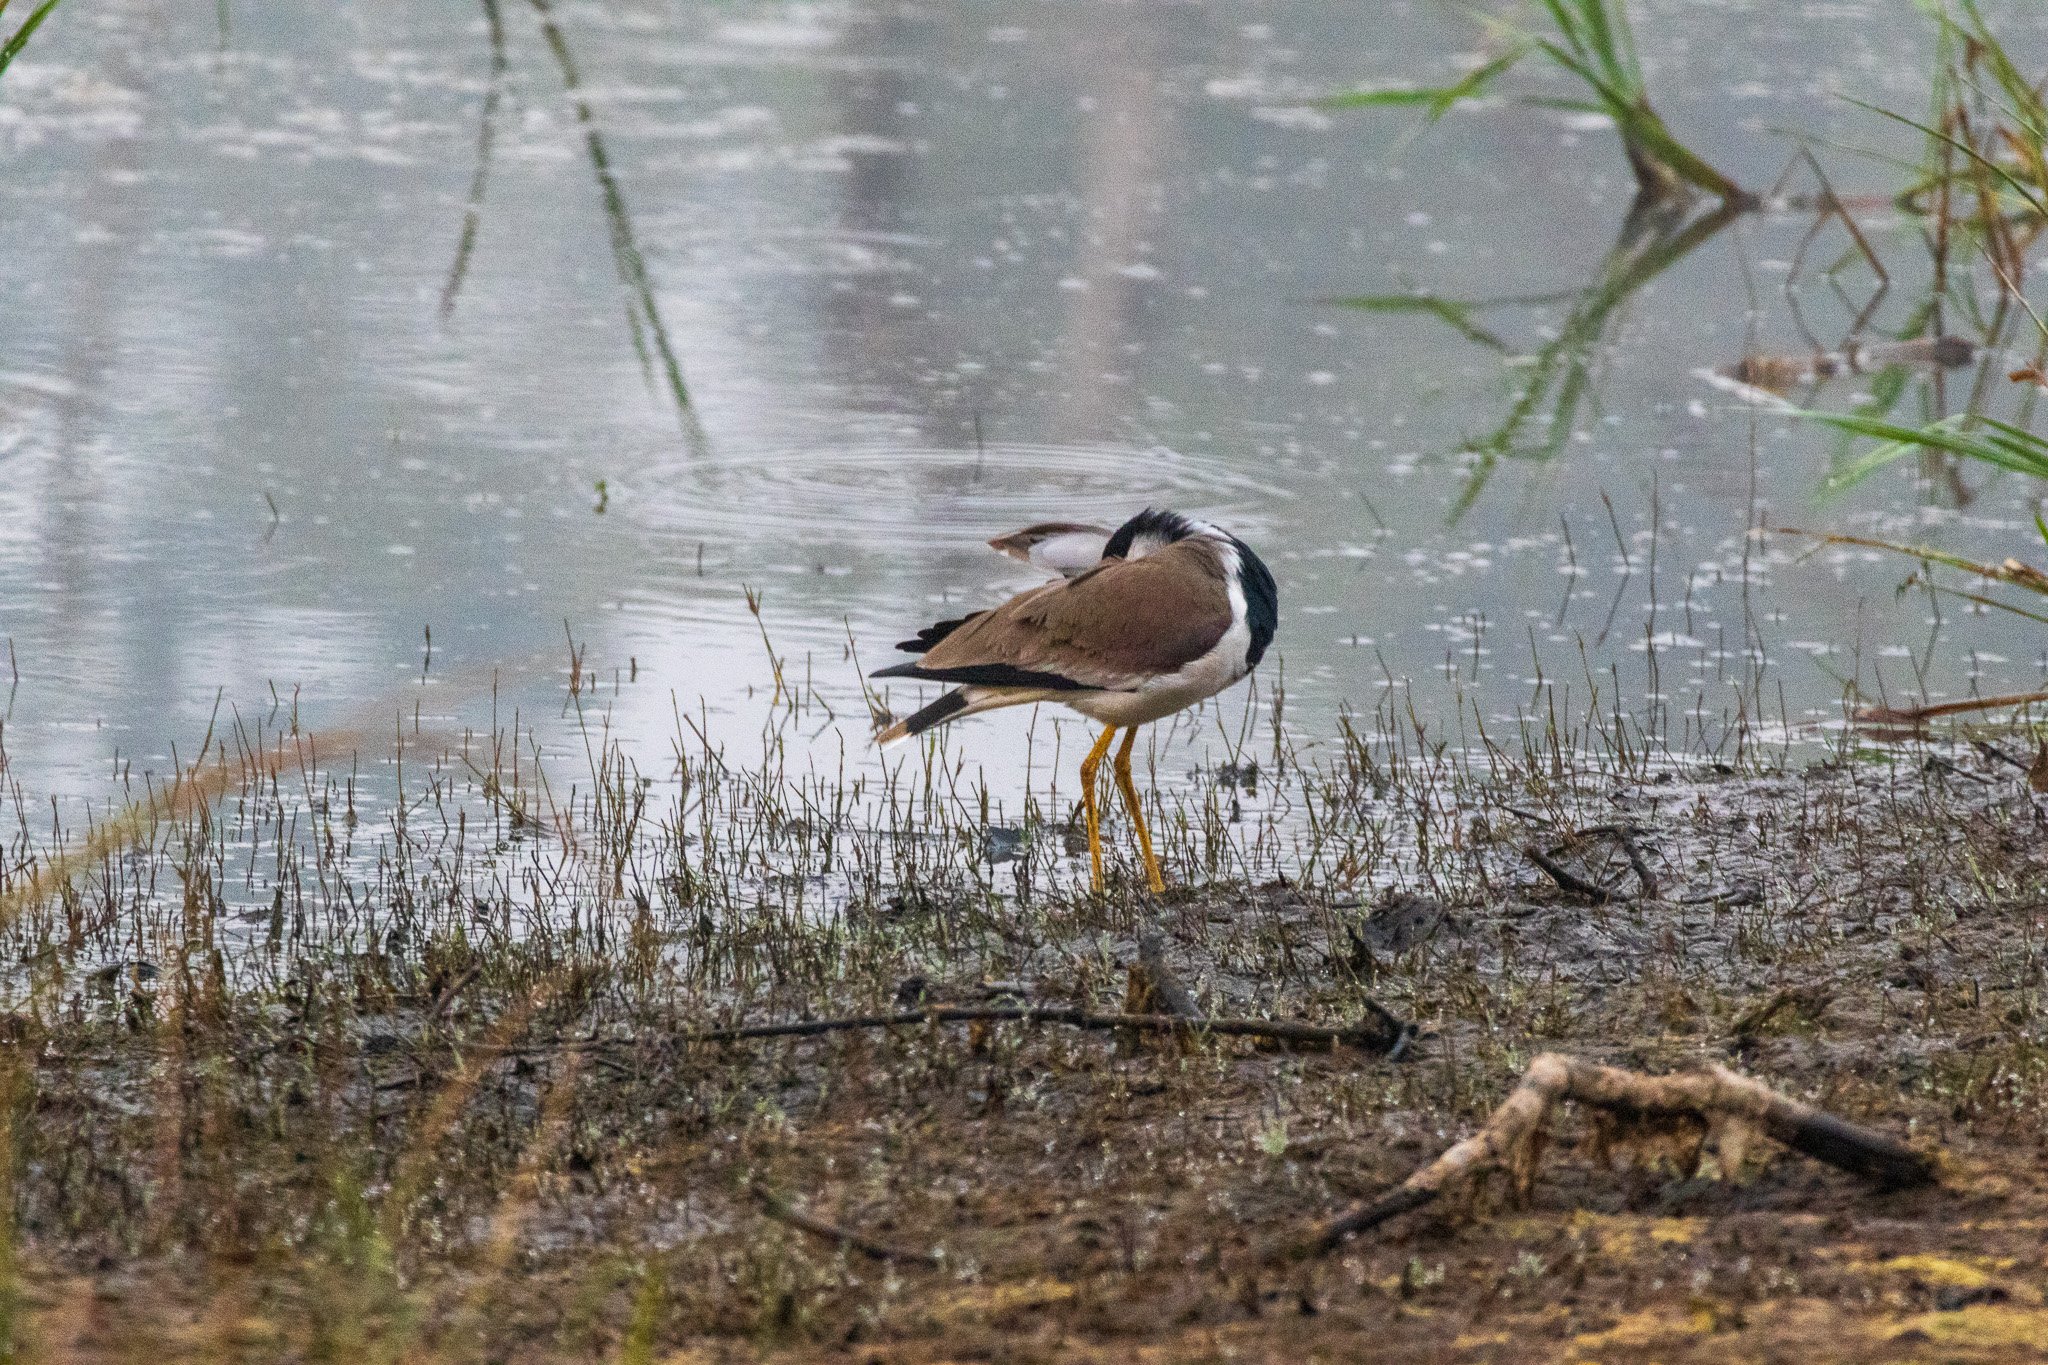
(1113, 627)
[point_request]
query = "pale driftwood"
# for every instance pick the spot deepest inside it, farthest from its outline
(1511, 1139)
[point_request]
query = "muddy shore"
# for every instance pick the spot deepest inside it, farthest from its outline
(464, 1151)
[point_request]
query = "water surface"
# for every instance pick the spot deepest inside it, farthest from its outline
(927, 272)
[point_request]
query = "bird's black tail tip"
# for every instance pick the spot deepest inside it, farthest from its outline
(938, 713)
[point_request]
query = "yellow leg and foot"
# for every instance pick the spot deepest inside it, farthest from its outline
(1130, 791)
(1089, 767)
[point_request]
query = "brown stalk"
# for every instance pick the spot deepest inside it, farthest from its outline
(782, 1211)
(1915, 715)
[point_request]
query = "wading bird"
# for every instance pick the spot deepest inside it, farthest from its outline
(1171, 611)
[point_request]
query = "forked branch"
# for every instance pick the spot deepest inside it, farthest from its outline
(1511, 1140)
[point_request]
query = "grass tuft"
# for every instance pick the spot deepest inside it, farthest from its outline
(1592, 42)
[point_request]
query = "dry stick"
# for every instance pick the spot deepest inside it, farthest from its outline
(1912, 715)
(1386, 1033)
(446, 999)
(1379, 1036)
(1623, 834)
(1992, 751)
(1637, 861)
(1830, 202)
(780, 1209)
(1563, 876)
(1511, 1138)
(1809, 1000)
(1167, 991)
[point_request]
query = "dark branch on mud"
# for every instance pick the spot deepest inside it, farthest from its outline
(1162, 989)
(1384, 1033)
(1567, 879)
(1641, 865)
(782, 1211)
(1380, 1035)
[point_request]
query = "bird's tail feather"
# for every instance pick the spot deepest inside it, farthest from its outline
(938, 713)
(960, 702)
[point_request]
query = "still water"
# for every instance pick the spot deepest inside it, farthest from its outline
(324, 324)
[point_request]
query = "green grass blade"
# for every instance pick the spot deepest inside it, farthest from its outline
(21, 35)
(1457, 316)
(1601, 37)
(1380, 99)
(1558, 102)
(1437, 99)
(1627, 47)
(2015, 450)
(1853, 472)
(2017, 87)
(1568, 27)
(1641, 128)
(2019, 187)
(2017, 435)
(1887, 387)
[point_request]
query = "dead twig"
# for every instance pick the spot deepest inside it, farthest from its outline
(1160, 990)
(1384, 1033)
(1803, 1001)
(1992, 751)
(1917, 715)
(1641, 865)
(1567, 879)
(1512, 1138)
(1624, 834)
(782, 1211)
(1725, 895)
(446, 1000)
(1380, 1035)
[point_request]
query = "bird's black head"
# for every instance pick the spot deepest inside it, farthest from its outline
(1155, 528)
(1261, 601)
(1151, 529)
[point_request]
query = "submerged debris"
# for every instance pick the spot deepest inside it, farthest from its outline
(1779, 373)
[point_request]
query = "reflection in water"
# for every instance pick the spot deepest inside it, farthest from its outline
(486, 138)
(1552, 383)
(643, 314)
(1110, 314)
(262, 429)
(1781, 373)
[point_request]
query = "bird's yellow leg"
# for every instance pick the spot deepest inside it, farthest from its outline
(1089, 767)
(1130, 791)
